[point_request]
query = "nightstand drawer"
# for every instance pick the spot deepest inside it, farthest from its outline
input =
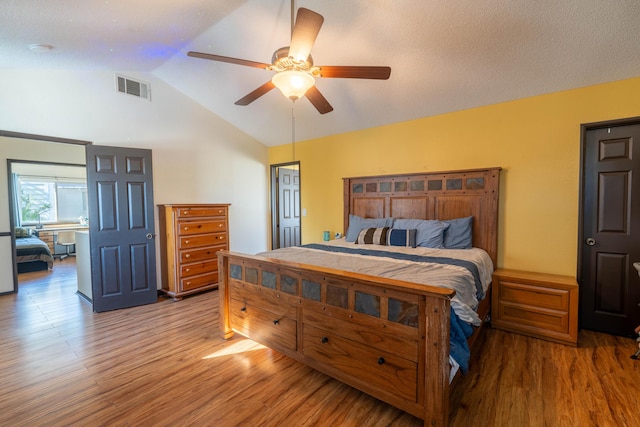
(537, 296)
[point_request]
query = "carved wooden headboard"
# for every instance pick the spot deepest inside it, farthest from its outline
(432, 195)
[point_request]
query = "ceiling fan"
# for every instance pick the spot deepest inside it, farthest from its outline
(295, 72)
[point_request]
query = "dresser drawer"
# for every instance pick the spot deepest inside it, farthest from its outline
(201, 211)
(199, 281)
(201, 254)
(187, 270)
(263, 326)
(363, 363)
(186, 228)
(194, 241)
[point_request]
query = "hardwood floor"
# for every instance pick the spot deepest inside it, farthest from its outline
(165, 364)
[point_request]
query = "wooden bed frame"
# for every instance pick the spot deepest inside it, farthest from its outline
(398, 355)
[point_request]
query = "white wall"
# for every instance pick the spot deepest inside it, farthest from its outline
(197, 157)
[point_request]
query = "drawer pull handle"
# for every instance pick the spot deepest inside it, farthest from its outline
(381, 360)
(325, 340)
(276, 322)
(186, 242)
(188, 283)
(186, 228)
(243, 309)
(219, 225)
(187, 270)
(187, 256)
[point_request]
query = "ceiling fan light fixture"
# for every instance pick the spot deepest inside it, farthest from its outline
(293, 84)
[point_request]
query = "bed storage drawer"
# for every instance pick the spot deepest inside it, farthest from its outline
(366, 335)
(362, 363)
(274, 330)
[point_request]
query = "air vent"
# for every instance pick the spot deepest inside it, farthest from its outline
(133, 87)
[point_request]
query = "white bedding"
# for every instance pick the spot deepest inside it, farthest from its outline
(458, 278)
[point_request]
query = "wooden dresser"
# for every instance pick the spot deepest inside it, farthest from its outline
(536, 304)
(191, 237)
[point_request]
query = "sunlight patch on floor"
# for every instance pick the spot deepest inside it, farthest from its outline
(236, 348)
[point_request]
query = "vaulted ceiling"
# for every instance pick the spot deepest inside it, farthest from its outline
(445, 55)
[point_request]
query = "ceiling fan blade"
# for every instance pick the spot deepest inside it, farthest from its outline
(304, 33)
(354, 72)
(248, 99)
(229, 60)
(318, 100)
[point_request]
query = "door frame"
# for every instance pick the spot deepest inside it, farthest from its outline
(42, 138)
(12, 218)
(274, 200)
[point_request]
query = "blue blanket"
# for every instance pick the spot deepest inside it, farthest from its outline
(459, 330)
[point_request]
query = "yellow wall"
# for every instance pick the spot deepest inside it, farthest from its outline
(535, 140)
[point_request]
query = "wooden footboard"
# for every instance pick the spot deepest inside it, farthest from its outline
(385, 337)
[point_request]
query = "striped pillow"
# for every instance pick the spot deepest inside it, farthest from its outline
(401, 237)
(373, 236)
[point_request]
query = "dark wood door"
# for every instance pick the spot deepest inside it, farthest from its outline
(289, 206)
(610, 231)
(121, 227)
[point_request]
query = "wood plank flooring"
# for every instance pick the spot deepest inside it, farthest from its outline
(165, 364)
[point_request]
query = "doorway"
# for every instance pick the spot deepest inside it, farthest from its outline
(609, 234)
(285, 205)
(47, 200)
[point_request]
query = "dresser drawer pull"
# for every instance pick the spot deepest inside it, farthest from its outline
(325, 340)
(187, 256)
(243, 308)
(186, 228)
(276, 322)
(381, 360)
(221, 237)
(219, 225)
(186, 242)
(187, 270)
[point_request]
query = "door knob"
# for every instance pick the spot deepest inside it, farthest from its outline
(149, 236)
(591, 241)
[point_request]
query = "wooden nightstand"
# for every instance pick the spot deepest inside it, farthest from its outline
(536, 304)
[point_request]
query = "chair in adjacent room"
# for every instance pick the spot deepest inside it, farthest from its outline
(66, 239)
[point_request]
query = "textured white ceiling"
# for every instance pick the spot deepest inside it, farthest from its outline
(445, 55)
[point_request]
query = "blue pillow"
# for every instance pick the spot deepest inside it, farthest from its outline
(357, 223)
(459, 235)
(429, 232)
(400, 237)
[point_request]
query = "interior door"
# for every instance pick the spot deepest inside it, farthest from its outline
(610, 228)
(289, 200)
(121, 227)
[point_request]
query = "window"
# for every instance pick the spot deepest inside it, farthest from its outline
(50, 200)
